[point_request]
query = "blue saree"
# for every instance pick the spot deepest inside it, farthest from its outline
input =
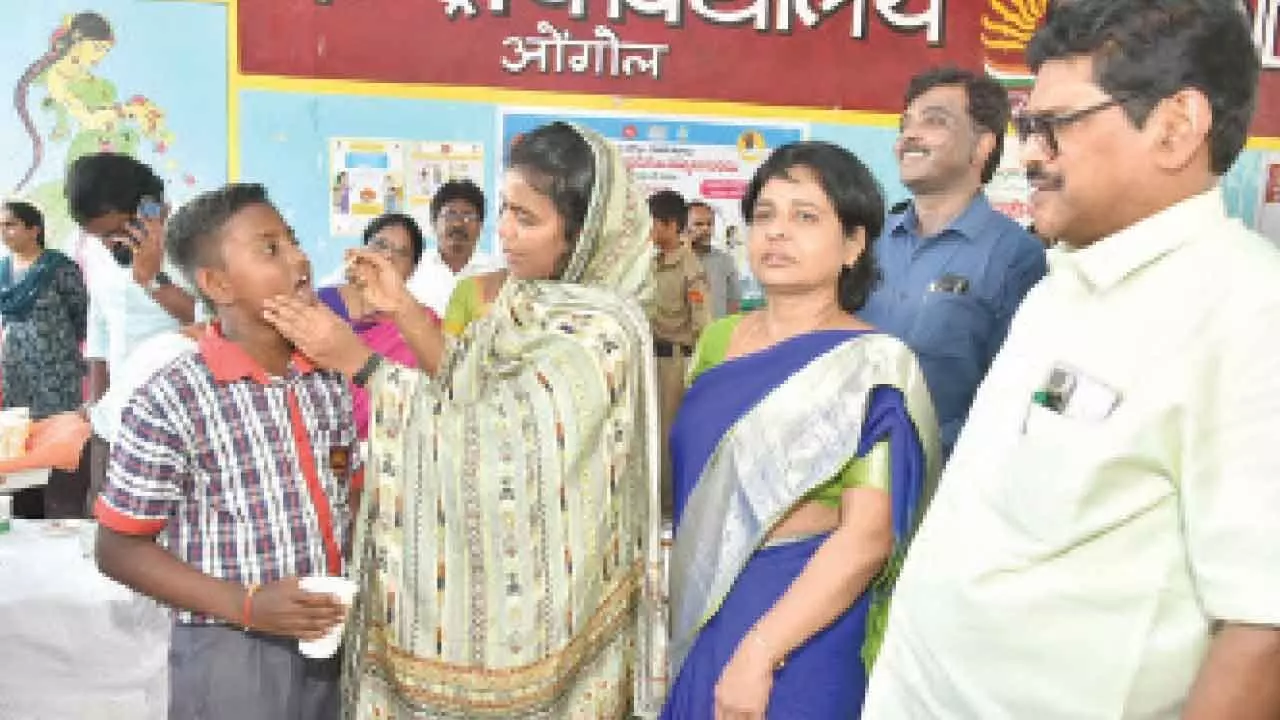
(754, 435)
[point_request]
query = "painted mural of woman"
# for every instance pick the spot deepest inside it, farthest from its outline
(88, 114)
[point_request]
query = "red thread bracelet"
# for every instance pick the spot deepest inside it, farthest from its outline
(247, 611)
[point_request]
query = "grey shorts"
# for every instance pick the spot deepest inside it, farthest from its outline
(220, 673)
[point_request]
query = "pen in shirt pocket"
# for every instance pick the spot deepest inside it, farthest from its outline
(1072, 394)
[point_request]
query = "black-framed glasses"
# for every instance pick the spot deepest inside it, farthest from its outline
(1048, 125)
(382, 245)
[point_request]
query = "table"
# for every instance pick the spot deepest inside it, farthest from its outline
(74, 644)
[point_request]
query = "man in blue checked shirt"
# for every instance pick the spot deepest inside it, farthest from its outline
(953, 269)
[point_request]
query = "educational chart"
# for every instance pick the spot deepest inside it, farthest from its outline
(1008, 191)
(370, 177)
(367, 180)
(432, 164)
(1268, 213)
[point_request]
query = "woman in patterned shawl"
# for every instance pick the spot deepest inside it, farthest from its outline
(507, 548)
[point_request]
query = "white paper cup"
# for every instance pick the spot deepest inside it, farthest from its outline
(345, 590)
(88, 538)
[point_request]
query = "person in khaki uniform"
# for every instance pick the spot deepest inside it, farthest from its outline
(679, 315)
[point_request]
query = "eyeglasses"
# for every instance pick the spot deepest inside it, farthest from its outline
(1048, 125)
(386, 247)
(451, 216)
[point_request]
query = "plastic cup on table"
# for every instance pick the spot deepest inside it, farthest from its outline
(345, 590)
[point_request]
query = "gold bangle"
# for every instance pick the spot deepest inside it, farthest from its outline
(768, 650)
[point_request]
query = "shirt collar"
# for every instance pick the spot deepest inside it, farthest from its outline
(434, 254)
(677, 256)
(1107, 262)
(969, 224)
(229, 362)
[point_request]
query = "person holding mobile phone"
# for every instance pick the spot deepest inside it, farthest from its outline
(134, 300)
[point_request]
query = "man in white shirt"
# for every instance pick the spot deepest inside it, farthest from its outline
(1103, 543)
(457, 216)
(132, 297)
(722, 270)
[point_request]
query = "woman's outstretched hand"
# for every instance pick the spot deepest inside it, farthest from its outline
(317, 333)
(379, 282)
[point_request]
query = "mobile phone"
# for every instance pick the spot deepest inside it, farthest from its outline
(149, 208)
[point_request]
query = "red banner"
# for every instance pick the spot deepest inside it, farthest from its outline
(843, 54)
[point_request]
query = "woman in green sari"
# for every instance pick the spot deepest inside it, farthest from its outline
(507, 549)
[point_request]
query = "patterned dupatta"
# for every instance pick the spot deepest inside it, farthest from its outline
(507, 551)
(18, 299)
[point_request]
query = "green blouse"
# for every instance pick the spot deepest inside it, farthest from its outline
(466, 305)
(871, 470)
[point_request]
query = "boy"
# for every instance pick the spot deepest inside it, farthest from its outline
(238, 455)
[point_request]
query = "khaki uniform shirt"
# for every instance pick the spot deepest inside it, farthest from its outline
(680, 299)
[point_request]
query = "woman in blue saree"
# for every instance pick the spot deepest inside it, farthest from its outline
(803, 455)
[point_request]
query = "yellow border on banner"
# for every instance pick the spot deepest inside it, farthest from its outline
(238, 82)
(233, 90)
(540, 98)
(1263, 143)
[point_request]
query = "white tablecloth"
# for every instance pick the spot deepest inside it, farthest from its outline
(73, 644)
